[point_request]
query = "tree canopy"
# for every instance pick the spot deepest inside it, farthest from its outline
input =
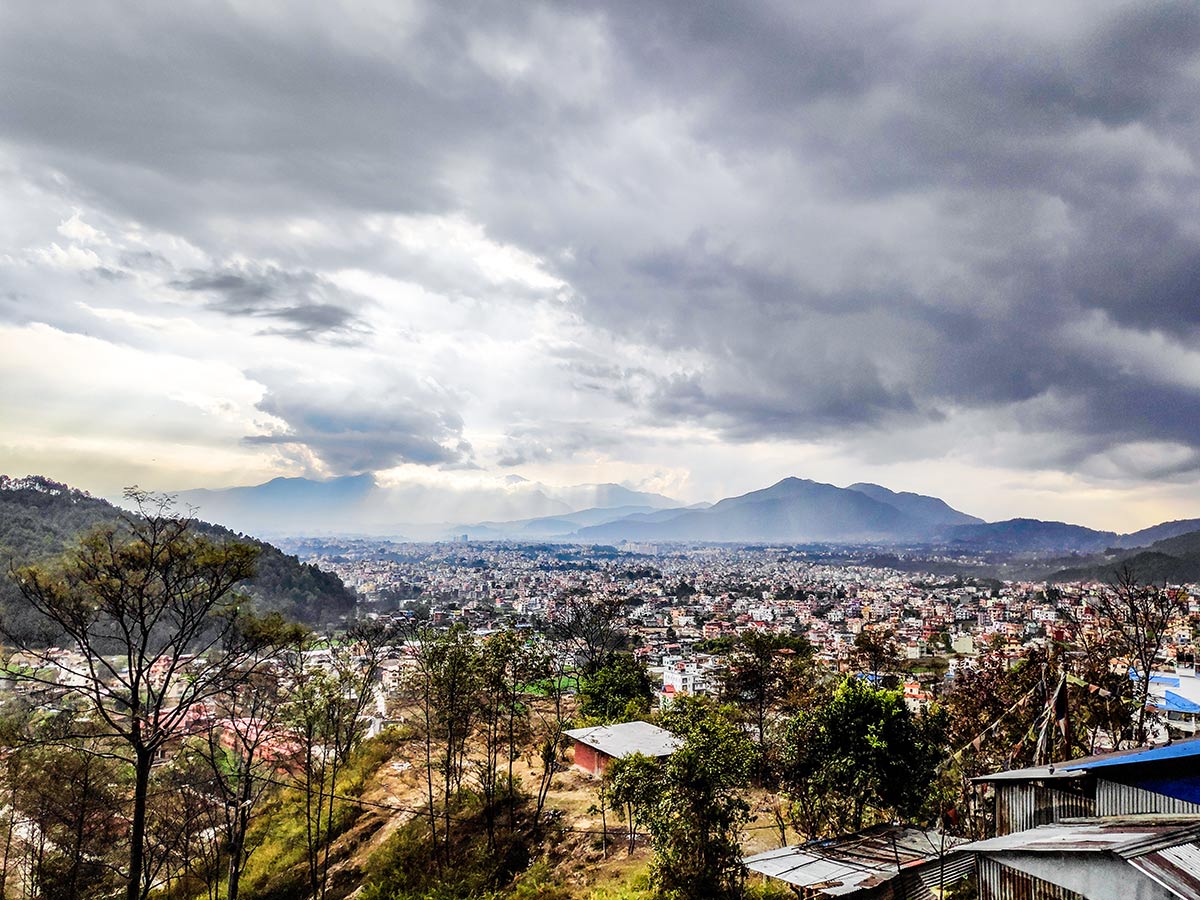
(690, 801)
(860, 755)
(151, 607)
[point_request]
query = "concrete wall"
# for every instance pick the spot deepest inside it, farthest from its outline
(590, 760)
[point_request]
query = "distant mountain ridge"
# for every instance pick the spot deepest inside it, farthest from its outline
(40, 518)
(929, 509)
(1174, 560)
(795, 510)
(361, 504)
(1029, 535)
(1155, 533)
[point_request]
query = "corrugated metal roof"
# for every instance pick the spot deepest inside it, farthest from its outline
(829, 875)
(1175, 868)
(1034, 773)
(1125, 836)
(853, 863)
(1177, 750)
(1077, 768)
(626, 738)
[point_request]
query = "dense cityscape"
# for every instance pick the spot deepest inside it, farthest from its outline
(681, 601)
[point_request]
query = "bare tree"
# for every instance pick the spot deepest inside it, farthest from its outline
(592, 627)
(550, 722)
(151, 607)
(875, 652)
(331, 687)
(444, 685)
(503, 670)
(241, 751)
(1139, 617)
(767, 675)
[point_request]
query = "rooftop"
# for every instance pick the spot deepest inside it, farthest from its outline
(1123, 835)
(1077, 768)
(853, 863)
(626, 738)
(1165, 849)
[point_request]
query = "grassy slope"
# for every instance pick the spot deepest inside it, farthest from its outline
(387, 779)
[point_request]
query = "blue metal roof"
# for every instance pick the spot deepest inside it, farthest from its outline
(1155, 678)
(1177, 703)
(1180, 750)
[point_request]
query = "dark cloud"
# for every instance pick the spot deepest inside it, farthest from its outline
(306, 305)
(842, 218)
(364, 432)
(108, 274)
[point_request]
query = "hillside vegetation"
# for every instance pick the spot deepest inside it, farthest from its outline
(1174, 560)
(40, 518)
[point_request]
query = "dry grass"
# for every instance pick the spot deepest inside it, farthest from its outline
(577, 863)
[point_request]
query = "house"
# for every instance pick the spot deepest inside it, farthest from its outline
(1163, 779)
(1148, 857)
(1119, 826)
(886, 862)
(686, 677)
(596, 746)
(1176, 698)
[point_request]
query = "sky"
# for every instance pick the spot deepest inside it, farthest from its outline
(691, 247)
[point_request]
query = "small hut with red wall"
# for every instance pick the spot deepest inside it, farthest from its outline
(595, 746)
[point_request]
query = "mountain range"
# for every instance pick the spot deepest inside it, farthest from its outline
(1174, 559)
(39, 517)
(360, 504)
(793, 510)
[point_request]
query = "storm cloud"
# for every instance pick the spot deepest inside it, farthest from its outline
(875, 226)
(359, 431)
(303, 304)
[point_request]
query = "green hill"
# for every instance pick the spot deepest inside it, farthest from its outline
(40, 518)
(1174, 560)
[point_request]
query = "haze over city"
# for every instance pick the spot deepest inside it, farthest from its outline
(690, 248)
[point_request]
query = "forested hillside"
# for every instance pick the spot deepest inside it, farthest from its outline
(1174, 560)
(40, 518)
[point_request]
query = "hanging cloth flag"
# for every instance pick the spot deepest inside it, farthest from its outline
(1061, 717)
(1092, 688)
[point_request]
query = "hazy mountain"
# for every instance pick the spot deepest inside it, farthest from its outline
(1148, 536)
(1173, 560)
(1029, 535)
(926, 509)
(544, 527)
(798, 510)
(607, 496)
(793, 510)
(362, 504)
(262, 508)
(40, 518)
